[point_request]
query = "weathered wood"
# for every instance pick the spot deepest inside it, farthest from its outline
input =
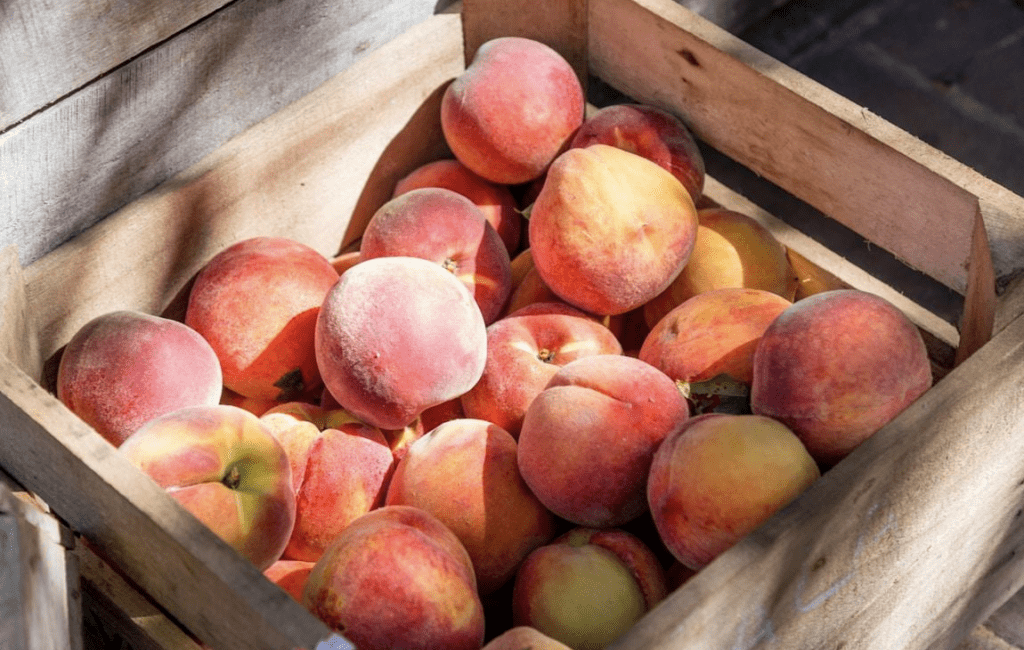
(48, 50)
(875, 178)
(122, 610)
(561, 25)
(18, 338)
(37, 603)
(107, 143)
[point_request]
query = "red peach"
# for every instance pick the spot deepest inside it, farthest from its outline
(610, 229)
(444, 227)
(398, 578)
(256, 302)
(464, 472)
(225, 467)
(720, 477)
(513, 110)
(124, 368)
(494, 200)
(396, 336)
(524, 351)
(837, 366)
(588, 438)
(523, 637)
(651, 132)
(340, 471)
(712, 333)
(290, 575)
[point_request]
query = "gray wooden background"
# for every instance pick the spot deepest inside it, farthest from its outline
(100, 102)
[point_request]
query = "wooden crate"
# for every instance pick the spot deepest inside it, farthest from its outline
(910, 542)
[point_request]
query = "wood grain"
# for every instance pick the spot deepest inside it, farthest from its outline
(50, 49)
(561, 25)
(858, 169)
(109, 142)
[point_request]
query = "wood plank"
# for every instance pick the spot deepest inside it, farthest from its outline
(18, 339)
(850, 164)
(561, 25)
(733, 15)
(49, 49)
(314, 155)
(124, 611)
(36, 604)
(108, 143)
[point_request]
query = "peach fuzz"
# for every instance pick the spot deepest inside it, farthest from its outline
(513, 110)
(340, 471)
(523, 637)
(712, 333)
(836, 367)
(588, 438)
(495, 201)
(464, 472)
(223, 465)
(719, 478)
(732, 250)
(396, 336)
(524, 351)
(256, 302)
(124, 368)
(444, 227)
(610, 230)
(651, 132)
(290, 575)
(588, 587)
(398, 578)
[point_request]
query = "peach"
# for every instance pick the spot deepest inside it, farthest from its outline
(398, 578)
(524, 351)
(464, 472)
(610, 230)
(396, 336)
(837, 366)
(522, 637)
(733, 250)
(495, 201)
(255, 405)
(588, 438)
(124, 368)
(256, 302)
(720, 477)
(513, 110)
(651, 132)
(344, 261)
(588, 587)
(444, 227)
(290, 575)
(712, 334)
(340, 471)
(225, 467)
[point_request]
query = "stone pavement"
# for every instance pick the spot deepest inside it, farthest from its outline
(950, 72)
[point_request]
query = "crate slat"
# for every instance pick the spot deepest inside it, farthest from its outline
(50, 49)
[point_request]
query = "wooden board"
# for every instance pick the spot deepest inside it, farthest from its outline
(105, 144)
(48, 50)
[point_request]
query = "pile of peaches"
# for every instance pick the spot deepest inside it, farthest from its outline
(552, 382)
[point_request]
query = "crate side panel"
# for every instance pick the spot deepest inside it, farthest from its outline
(849, 164)
(108, 143)
(314, 171)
